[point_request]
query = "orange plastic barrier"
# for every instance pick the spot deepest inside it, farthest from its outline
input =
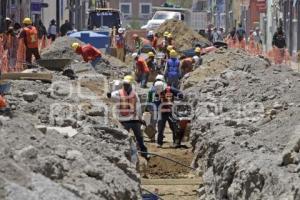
(20, 55)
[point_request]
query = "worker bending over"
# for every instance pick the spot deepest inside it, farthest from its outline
(141, 70)
(88, 53)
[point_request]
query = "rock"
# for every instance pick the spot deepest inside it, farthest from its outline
(41, 128)
(29, 152)
(277, 106)
(30, 96)
(96, 112)
(74, 155)
(65, 131)
(229, 122)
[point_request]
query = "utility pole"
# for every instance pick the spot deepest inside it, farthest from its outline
(58, 13)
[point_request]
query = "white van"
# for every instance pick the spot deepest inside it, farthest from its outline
(160, 17)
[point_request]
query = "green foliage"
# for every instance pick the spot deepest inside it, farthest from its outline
(182, 3)
(135, 24)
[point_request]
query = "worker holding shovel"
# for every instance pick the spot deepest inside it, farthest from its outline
(88, 53)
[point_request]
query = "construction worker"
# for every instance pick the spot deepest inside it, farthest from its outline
(241, 36)
(141, 69)
(258, 40)
(187, 65)
(251, 43)
(170, 39)
(279, 45)
(52, 30)
(155, 41)
(129, 111)
(231, 38)
(151, 61)
(161, 98)
(120, 44)
(217, 37)
(88, 53)
(30, 36)
(11, 44)
(198, 51)
(164, 44)
(138, 43)
(172, 70)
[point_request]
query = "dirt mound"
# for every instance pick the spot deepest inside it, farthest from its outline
(216, 63)
(61, 48)
(60, 143)
(184, 37)
(246, 128)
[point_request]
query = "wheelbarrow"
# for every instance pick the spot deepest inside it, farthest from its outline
(54, 64)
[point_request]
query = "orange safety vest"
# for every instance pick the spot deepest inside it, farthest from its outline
(31, 37)
(167, 100)
(127, 103)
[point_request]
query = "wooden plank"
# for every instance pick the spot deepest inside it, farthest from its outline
(197, 181)
(27, 76)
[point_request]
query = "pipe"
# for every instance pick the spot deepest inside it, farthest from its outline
(169, 159)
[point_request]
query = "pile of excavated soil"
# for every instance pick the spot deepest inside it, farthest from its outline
(184, 37)
(216, 63)
(246, 129)
(61, 48)
(60, 143)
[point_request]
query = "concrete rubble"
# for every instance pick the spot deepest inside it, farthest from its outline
(246, 130)
(60, 142)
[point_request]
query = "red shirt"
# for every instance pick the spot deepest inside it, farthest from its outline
(142, 66)
(88, 52)
(30, 36)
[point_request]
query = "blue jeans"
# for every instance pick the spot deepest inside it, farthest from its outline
(165, 117)
(144, 80)
(173, 82)
(96, 61)
(135, 126)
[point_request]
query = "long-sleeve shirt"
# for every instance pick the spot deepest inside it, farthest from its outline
(154, 97)
(116, 97)
(88, 52)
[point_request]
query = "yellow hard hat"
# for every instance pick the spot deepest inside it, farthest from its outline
(150, 54)
(75, 45)
(173, 53)
(170, 35)
(27, 21)
(170, 47)
(166, 33)
(198, 50)
(128, 79)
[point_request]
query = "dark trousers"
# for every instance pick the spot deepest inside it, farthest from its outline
(30, 52)
(135, 126)
(165, 117)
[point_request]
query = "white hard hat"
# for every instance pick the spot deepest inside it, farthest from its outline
(196, 59)
(159, 86)
(159, 77)
(121, 30)
(134, 55)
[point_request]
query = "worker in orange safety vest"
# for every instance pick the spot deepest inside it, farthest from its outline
(129, 113)
(30, 36)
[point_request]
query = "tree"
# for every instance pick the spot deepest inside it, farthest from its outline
(182, 3)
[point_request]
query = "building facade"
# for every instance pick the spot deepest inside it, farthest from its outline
(135, 12)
